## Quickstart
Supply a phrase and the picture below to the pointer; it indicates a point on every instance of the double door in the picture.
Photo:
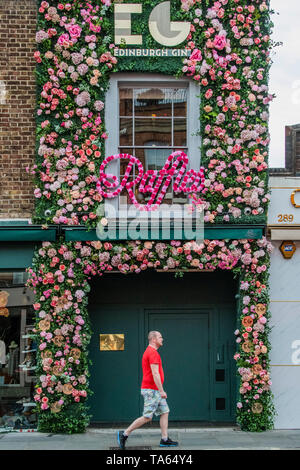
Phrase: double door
(197, 353)
(116, 375)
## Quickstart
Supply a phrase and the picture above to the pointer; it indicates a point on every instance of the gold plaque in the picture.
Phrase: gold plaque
(112, 342)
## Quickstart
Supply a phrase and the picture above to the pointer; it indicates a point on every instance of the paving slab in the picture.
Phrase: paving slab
(189, 439)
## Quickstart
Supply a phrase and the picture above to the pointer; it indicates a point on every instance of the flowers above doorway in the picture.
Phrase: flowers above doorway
(230, 47)
(60, 278)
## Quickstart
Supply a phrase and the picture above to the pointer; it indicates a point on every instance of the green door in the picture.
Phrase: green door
(185, 358)
(196, 316)
(114, 374)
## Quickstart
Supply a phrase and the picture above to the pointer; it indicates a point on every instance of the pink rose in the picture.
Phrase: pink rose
(219, 42)
(208, 93)
(64, 40)
(196, 55)
(74, 30)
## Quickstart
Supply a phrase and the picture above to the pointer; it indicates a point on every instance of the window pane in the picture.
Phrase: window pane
(126, 131)
(126, 95)
(220, 403)
(152, 130)
(180, 132)
(152, 118)
(138, 153)
(124, 163)
(153, 102)
(180, 99)
(124, 196)
(220, 375)
(155, 158)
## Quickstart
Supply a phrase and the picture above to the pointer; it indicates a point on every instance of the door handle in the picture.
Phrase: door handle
(220, 354)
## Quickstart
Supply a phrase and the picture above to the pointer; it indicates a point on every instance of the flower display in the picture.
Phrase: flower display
(63, 331)
(230, 43)
(230, 59)
(74, 61)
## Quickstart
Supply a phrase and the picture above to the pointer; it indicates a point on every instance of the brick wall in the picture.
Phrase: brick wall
(17, 106)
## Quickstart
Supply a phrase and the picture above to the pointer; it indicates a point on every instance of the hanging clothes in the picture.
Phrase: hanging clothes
(13, 361)
(2, 352)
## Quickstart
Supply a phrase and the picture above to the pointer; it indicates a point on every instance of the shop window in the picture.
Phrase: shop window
(220, 404)
(220, 375)
(153, 124)
(150, 117)
(17, 353)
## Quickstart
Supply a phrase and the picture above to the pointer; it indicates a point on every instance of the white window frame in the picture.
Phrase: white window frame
(112, 120)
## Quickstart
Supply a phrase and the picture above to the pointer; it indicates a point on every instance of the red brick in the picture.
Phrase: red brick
(17, 115)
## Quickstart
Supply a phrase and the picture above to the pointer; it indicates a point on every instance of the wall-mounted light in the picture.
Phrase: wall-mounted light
(287, 249)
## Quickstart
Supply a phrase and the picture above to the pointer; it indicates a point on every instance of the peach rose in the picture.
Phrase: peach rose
(3, 298)
(195, 263)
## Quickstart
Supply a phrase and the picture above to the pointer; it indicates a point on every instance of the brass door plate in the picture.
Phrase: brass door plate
(112, 342)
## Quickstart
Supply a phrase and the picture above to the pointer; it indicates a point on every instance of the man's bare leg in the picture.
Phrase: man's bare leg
(164, 421)
(136, 424)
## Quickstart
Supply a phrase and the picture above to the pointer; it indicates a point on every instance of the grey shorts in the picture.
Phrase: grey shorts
(153, 403)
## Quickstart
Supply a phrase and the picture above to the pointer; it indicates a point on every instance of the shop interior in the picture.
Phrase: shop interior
(17, 354)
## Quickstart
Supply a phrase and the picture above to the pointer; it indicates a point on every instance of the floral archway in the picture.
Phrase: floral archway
(60, 278)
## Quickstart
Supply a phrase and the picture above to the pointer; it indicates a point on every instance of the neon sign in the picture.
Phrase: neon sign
(153, 182)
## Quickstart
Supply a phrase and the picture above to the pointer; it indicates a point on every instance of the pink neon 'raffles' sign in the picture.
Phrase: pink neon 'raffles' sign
(153, 182)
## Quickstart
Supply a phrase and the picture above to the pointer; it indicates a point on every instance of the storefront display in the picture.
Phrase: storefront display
(17, 354)
(205, 102)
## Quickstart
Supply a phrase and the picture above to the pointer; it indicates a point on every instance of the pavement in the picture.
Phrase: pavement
(148, 439)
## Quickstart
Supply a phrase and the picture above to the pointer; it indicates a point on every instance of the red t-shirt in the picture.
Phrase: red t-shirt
(151, 356)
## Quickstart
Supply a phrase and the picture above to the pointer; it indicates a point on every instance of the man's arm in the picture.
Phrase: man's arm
(157, 381)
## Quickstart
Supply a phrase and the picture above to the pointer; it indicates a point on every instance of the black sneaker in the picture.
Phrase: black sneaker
(168, 443)
(122, 439)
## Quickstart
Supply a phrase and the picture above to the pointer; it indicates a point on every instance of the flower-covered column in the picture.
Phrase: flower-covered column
(63, 334)
(255, 410)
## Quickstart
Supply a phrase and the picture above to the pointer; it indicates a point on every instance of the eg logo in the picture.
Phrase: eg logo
(162, 29)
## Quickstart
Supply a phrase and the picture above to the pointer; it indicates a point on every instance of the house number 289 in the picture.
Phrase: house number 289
(162, 29)
(285, 218)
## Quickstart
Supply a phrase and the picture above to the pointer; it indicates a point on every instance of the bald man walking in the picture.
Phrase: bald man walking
(152, 392)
